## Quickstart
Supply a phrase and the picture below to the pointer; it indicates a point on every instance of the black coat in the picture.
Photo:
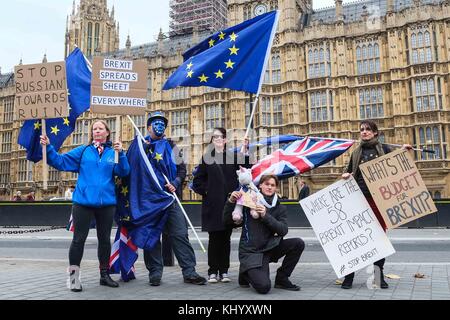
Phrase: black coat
(258, 235)
(304, 192)
(215, 179)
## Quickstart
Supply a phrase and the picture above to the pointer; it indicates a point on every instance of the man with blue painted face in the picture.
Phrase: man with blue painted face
(167, 159)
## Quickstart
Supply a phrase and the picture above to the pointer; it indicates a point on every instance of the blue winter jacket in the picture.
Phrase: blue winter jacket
(95, 186)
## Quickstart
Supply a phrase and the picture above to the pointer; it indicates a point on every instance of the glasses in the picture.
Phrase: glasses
(217, 136)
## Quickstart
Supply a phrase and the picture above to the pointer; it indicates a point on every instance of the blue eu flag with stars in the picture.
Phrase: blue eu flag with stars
(78, 75)
(234, 58)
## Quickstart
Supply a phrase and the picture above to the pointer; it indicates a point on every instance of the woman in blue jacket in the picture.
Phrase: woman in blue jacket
(94, 195)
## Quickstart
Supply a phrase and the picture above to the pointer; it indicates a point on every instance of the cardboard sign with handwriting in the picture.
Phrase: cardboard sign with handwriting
(118, 87)
(397, 188)
(346, 227)
(41, 91)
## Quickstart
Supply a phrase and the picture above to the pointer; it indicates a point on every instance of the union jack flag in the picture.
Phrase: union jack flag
(300, 156)
(123, 255)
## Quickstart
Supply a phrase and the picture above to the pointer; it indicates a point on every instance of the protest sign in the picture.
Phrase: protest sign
(397, 188)
(41, 91)
(118, 87)
(346, 227)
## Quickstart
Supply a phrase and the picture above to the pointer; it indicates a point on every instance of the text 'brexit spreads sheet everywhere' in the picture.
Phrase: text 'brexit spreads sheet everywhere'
(346, 227)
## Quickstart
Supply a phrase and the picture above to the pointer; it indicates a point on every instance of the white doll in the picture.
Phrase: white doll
(246, 185)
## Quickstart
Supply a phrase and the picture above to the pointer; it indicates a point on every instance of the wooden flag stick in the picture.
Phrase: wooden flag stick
(44, 159)
(116, 156)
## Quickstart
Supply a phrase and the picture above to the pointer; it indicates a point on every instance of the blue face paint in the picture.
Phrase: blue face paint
(158, 127)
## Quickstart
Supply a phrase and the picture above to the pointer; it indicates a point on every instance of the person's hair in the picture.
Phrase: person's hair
(91, 135)
(266, 177)
(222, 130)
(371, 125)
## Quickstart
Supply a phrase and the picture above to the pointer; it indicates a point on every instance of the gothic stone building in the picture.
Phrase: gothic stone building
(386, 60)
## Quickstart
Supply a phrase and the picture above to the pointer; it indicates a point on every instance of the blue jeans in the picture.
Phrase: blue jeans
(176, 227)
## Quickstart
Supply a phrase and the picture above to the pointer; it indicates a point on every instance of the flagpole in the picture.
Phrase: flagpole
(173, 193)
(255, 102)
(44, 158)
(399, 146)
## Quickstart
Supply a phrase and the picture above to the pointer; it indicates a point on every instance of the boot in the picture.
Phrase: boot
(383, 283)
(380, 265)
(348, 281)
(73, 282)
(105, 279)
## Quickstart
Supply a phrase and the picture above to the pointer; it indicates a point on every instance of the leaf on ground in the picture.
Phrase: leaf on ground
(392, 276)
(419, 275)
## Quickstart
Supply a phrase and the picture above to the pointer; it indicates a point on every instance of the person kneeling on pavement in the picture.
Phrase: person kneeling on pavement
(262, 240)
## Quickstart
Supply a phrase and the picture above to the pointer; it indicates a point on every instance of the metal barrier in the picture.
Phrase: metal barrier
(26, 214)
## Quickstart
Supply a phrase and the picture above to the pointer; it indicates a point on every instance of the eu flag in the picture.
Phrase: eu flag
(234, 58)
(141, 199)
(79, 90)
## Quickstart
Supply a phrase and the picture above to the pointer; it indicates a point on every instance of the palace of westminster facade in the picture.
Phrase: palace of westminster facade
(387, 60)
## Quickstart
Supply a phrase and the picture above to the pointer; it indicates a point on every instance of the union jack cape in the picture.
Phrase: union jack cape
(300, 156)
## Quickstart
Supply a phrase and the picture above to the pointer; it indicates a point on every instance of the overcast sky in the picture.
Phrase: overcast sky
(30, 28)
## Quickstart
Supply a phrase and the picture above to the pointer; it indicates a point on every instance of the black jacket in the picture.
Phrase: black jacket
(304, 192)
(214, 182)
(258, 235)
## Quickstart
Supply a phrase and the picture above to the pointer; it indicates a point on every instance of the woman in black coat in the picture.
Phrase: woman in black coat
(216, 178)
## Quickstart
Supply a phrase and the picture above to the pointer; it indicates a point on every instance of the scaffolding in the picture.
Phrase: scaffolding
(199, 14)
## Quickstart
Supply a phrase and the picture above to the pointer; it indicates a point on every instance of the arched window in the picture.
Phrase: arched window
(89, 43)
(368, 58)
(97, 36)
(377, 50)
(420, 39)
(421, 47)
(421, 136)
(427, 39)
(437, 195)
(413, 41)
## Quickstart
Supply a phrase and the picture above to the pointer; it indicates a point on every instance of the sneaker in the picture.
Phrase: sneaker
(286, 285)
(224, 278)
(212, 278)
(196, 279)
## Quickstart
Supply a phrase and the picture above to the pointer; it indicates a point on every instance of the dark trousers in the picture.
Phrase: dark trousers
(82, 217)
(219, 251)
(379, 263)
(259, 278)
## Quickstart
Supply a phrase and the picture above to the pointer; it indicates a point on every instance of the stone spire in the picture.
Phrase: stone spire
(339, 10)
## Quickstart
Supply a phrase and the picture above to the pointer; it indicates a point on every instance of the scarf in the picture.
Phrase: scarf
(356, 156)
(100, 146)
(265, 200)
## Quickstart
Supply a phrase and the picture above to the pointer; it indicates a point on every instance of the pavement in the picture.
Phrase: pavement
(33, 267)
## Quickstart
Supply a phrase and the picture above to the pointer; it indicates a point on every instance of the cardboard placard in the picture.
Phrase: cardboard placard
(397, 188)
(41, 91)
(248, 199)
(346, 227)
(118, 87)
